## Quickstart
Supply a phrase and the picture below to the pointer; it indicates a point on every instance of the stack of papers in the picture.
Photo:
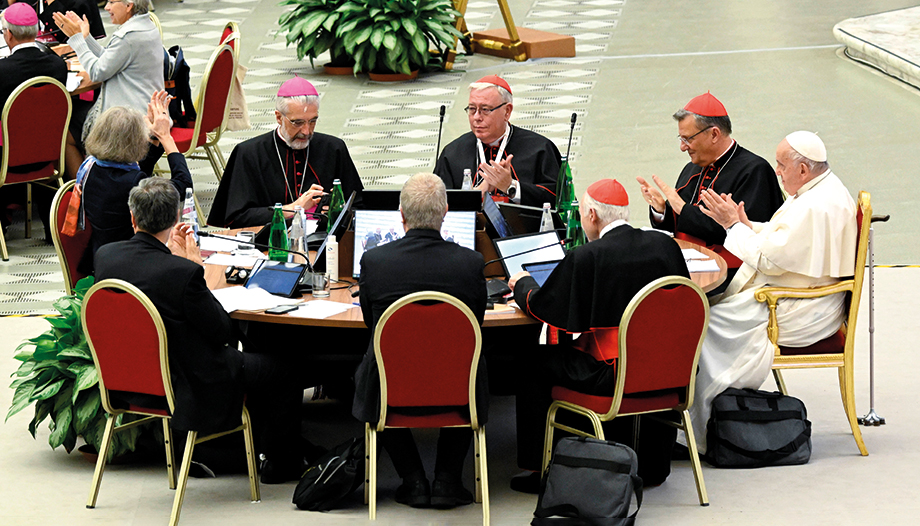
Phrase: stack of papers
(241, 298)
(319, 309)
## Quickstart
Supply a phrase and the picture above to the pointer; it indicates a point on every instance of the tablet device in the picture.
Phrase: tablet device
(540, 270)
(276, 277)
(528, 248)
(338, 229)
(495, 220)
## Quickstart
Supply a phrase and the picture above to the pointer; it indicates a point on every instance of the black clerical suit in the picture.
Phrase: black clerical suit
(209, 376)
(745, 175)
(264, 170)
(589, 290)
(535, 164)
(81, 8)
(32, 60)
(388, 273)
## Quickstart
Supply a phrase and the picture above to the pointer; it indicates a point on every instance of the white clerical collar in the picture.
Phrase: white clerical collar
(610, 226)
(278, 132)
(496, 142)
(501, 148)
(730, 146)
(811, 184)
(25, 45)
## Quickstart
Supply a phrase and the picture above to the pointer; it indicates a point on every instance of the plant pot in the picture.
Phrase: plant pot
(332, 69)
(89, 452)
(392, 77)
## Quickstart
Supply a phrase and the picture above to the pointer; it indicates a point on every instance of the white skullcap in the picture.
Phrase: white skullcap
(808, 145)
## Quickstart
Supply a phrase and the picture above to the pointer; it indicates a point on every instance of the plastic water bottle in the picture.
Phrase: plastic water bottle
(546, 221)
(189, 214)
(336, 203)
(467, 179)
(278, 237)
(297, 229)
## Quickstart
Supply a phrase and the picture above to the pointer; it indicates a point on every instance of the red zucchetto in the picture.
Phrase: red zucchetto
(608, 192)
(495, 80)
(706, 105)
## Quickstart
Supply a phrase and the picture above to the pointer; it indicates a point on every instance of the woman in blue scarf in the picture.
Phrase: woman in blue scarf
(119, 140)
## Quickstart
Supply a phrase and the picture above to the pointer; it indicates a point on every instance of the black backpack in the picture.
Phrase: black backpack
(177, 73)
(333, 477)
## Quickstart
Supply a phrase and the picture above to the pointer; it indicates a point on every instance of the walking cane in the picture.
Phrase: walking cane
(872, 418)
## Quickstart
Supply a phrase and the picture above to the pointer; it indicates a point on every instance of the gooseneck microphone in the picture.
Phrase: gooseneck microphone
(317, 215)
(259, 245)
(437, 149)
(568, 150)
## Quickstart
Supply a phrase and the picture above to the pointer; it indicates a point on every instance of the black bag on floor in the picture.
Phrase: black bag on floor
(331, 478)
(752, 429)
(589, 482)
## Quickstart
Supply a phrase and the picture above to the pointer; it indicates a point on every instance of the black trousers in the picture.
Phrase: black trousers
(453, 445)
(273, 397)
(561, 365)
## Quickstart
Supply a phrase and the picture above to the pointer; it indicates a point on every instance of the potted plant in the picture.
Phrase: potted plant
(312, 26)
(393, 36)
(58, 376)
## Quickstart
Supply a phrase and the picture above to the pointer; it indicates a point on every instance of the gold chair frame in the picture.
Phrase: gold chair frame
(210, 146)
(843, 362)
(56, 235)
(192, 439)
(614, 411)
(479, 432)
(4, 160)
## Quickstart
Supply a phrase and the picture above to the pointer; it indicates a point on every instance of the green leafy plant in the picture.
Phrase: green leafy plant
(395, 35)
(58, 375)
(312, 25)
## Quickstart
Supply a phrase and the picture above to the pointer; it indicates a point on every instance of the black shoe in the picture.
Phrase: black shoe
(528, 482)
(447, 494)
(414, 492)
(281, 472)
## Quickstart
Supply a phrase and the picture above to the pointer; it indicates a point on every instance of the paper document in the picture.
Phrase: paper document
(702, 265)
(692, 253)
(228, 260)
(321, 309)
(73, 81)
(241, 298)
(217, 244)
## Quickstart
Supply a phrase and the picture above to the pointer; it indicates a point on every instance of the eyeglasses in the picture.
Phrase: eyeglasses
(485, 112)
(686, 140)
(299, 123)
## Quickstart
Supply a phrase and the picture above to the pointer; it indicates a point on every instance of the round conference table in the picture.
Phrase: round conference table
(353, 318)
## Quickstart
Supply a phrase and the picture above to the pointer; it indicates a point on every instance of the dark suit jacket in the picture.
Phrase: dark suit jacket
(206, 373)
(28, 63)
(81, 8)
(419, 261)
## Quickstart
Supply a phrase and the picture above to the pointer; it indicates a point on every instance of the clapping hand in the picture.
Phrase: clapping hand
(182, 243)
(158, 121)
(71, 24)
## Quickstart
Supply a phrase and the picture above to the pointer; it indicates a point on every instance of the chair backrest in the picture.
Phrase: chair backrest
(215, 93)
(863, 223)
(231, 37)
(427, 346)
(35, 120)
(156, 22)
(660, 352)
(128, 341)
(70, 250)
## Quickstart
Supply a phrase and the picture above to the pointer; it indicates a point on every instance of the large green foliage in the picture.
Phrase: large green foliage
(381, 35)
(58, 376)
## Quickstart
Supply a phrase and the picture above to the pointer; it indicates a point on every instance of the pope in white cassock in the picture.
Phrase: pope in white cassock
(809, 242)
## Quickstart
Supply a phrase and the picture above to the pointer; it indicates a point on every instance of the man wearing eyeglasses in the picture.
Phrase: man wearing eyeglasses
(509, 163)
(719, 163)
(292, 164)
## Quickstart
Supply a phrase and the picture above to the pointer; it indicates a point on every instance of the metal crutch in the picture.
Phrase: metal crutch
(872, 418)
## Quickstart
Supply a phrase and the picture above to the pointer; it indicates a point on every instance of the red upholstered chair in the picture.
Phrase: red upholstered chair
(656, 366)
(69, 249)
(231, 36)
(211, 105)
(427, 347)
(128, 342)
(35, 120)
(837, 350)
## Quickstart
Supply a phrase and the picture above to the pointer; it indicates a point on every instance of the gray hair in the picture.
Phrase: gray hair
(118, 135)
(815, 167)
(283, 103)
(722, 123)
(21, 33)
(141, 7)
(423, 201)
(155, 204)
(605, 213)
(505, 94)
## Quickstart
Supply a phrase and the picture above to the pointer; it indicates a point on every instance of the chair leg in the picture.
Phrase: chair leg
(254, 492)
(100, 462)
(482, 481)
(548, 438)
(28, 210)
(183, 478)
(6, 255)
(212, 158)
(849, 406)
(367, 463)
(694, 458)
(220, 157)
(170, 453)
(780, 384)
(477, 494)
(372, 479)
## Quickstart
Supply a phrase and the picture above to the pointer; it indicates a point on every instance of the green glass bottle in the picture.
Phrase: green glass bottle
(336, 203)
(573, 229)
(565, 188)
(278, 238)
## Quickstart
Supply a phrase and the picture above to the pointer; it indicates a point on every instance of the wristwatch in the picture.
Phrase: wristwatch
(512, 190)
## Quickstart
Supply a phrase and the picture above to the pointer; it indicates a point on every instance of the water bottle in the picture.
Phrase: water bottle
(546, 221)
(189, 214)
(467, 179)
(278, 237)
(336, 203)
(297, 229)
